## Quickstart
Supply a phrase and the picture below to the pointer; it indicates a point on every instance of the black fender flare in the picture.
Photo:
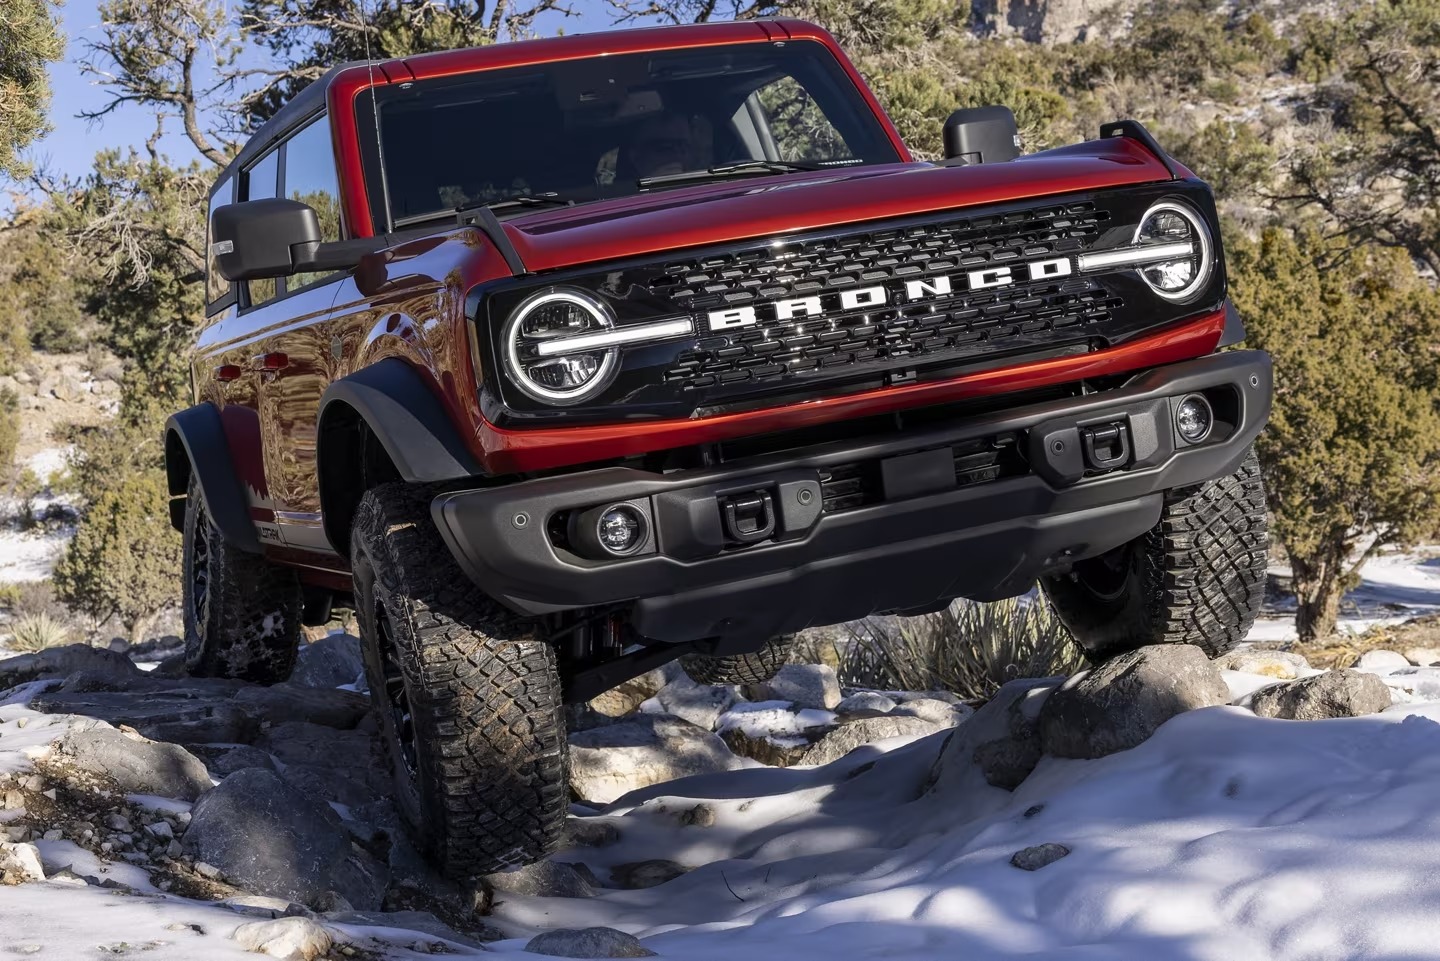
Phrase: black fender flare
(195, 444)
(392, 399)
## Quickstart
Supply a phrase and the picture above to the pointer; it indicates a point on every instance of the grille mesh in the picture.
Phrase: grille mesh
(967, 323)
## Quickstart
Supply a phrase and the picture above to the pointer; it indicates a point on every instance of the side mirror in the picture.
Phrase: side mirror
(981, 135)
(264, 238)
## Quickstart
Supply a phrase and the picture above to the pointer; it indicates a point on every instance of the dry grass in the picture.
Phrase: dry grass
(969, 649)
(1343, 650)
(36, 632)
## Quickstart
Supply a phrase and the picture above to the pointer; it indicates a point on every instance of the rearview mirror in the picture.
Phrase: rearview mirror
(981, 135)
(263, 238)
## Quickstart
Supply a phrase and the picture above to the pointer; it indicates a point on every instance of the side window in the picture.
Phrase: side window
(259, 184)
(216, 287)
(800, 129)
(310, 178)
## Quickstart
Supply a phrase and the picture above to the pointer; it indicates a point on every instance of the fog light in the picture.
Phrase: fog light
(621, 529)
(1194, 419)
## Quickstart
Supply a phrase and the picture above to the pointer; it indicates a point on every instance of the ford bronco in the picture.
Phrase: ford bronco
(559, 359)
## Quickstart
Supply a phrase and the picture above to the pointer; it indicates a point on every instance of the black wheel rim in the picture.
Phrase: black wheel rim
(199, 585)
(402, 718)
(1106, 576)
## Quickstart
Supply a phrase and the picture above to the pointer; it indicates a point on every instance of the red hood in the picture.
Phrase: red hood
(738, 210)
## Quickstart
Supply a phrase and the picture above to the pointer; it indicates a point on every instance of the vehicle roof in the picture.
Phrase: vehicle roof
(312, 98)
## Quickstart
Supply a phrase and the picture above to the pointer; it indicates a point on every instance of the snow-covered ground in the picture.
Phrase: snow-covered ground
(1225, 836)
(1395, 587)
(30, 555)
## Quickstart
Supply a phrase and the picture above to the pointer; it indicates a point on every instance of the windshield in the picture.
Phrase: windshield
(592, 129)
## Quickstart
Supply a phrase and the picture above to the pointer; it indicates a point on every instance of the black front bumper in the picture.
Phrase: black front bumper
(928, 534)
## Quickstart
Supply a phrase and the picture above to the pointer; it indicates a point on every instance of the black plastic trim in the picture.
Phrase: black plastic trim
(1135, 130)
(406, 416)
(489, 224)
(195, 443)
(1234, 332)
(985, 541)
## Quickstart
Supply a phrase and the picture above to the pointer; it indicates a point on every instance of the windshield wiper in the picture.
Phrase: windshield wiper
(519, 200)
(746, 168)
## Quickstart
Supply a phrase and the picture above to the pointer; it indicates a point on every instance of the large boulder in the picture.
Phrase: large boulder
(290, 939)
(63, 661)
(847, 737)
(1332, 694)
(1119, 704)
(184, 713)
(270, 838)
(607, 762)
(588, 943)
(287, 702)
(626, 697)
(1381, 660)
(330, 662)
(544, 879)
(700, 704)
(135, 765)
(812, 686)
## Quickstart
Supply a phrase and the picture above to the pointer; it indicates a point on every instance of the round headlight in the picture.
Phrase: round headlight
(1175, 225)
(534, 341)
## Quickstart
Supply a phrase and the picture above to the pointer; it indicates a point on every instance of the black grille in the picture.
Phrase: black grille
(848, 486)
(967, 322)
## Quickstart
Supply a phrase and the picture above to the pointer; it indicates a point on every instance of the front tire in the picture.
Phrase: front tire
(754, 667)
(468, 697)
(241, 613)
(1197, 577)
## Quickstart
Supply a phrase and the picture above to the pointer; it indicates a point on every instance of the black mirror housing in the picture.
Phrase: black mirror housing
(981, 135)
(264, 238)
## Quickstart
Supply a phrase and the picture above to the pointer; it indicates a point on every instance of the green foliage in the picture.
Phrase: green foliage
(41, 291)
(9, 429)
(969, 649)
(125, 559)
(9, 596)
(36, 632)
(29, 40)
(1232, 157)
(1351, 457)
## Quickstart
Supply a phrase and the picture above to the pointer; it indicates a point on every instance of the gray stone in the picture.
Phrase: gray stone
(262, 906)
(774, 751)
(865, 704)
(183, 716)
(588, 943)
(1035, 858)
(803, 685)
(638, 751)
(929, 709)
(645, 874)
(623, 699)
(21, 861)
(1332, 694)
(222, 760)
(1423, 656)
(543, 879)
(1279, 664)
(590, 832)
(287, 702)
(268, 837)
(700, 816)
(422, 921)
(291, 939)
(136, 766)
(1119, 704)
(328, 663)
(62, 662)
(847, 737)
(1381, 660)
(700, 704)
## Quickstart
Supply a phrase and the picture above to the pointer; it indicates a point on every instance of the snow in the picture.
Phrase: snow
(31, 555)
(1395, 587)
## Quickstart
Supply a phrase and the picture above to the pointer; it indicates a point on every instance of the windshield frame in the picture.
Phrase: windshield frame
(885, 145)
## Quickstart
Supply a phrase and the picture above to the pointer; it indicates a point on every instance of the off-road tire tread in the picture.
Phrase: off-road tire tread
(1198, 576)
(754, 667)
(253, 624)
(484, 692)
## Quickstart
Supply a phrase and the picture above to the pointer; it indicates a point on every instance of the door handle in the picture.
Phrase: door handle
(269, 362)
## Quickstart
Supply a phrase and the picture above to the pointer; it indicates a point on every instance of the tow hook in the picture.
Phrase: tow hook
(1105, 446)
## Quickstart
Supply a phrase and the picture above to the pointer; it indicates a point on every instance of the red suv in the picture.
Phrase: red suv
(560, 359)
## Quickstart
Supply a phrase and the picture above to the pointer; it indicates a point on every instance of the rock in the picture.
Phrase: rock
(1035, 858)
(1381, 660)
(223, 760)
(288, 702)
(804, 685)
(700, 704)
(260, 906)
(271, 838)
(1006, 762)
(929, 709)
(21, 861)
(292, 939)
(774, 751)
(136, 766)
(588, 943)
(1423, 656)
(207, 870)
(1119, 704)
(183, 715)
(155, 649)
(422, 921)
(1332, 694)
(607, 762)
(645, 874)
(700, 816)
(62, 662)
(623, 699)
(328, 663)
(119, 822)
(847, 737)
(1281, 664)
(543, 879)
(864, 704)
(590, 832)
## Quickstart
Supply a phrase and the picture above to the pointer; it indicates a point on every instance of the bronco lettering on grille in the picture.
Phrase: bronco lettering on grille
(915, 290)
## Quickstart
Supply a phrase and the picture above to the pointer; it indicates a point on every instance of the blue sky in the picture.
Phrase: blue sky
(72, 145)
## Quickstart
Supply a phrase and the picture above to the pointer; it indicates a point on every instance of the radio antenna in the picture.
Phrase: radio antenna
(375, 113)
